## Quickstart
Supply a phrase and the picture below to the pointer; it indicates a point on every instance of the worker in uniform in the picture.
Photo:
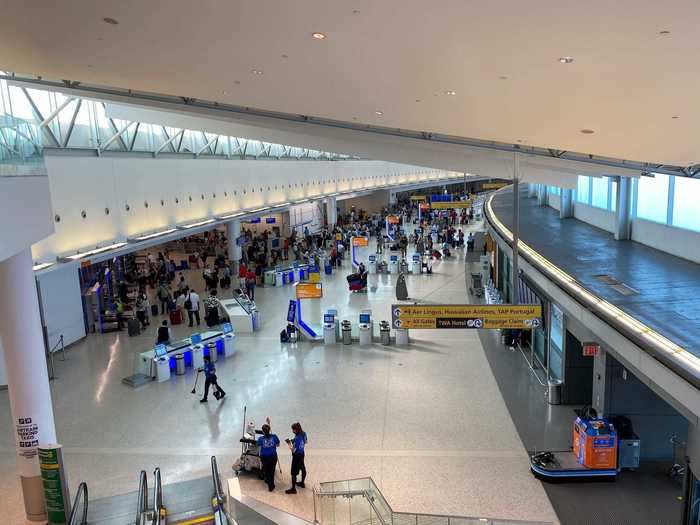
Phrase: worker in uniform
(297, 445)
(210, 379)
(268, 444)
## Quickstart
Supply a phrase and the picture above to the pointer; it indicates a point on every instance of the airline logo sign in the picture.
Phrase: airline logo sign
(490, 316)
(450, 205)
(309, 290)
(360, 241)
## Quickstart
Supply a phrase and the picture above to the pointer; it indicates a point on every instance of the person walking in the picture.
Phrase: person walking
(250, 284)
(268, 444)
(163, 336)
(297, 446)
(141, 307)
(192, 307)
(163, 297)
(210, 379)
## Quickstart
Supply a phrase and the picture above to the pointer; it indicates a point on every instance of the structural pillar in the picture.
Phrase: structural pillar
(27, 375)
(331, 211)
(516, 228)
(233, 232)
(623, 212)
(531, 190)
(600, 382)
(541, 195)
(566, 207)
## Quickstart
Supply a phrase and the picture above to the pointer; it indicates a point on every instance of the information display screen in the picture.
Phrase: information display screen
(329, 318)
(227, 328)
(196, 339)
(160, 351)
(364, 318)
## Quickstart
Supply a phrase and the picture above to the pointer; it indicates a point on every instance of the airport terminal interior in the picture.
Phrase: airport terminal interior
(361, 275)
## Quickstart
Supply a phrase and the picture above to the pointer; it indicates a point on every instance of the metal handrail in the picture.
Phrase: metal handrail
(219, 510)
(142, 496)
(157, 497)
(81, 494)
(63, 348)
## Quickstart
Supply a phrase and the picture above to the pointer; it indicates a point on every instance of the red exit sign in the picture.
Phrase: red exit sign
(591, 349)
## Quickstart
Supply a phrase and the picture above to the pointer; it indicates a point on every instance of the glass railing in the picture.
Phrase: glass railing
(360, 502)
(20, 148)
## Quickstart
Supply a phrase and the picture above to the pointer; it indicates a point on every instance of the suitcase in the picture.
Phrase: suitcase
(176, 317)
(133, 327)
(154, 310)
(328, 269)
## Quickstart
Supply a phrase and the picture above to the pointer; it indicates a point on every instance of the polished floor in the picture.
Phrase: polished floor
(667, 287)
(427, 422)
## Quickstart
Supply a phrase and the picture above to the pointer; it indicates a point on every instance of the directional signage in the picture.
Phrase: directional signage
(490, 316)
(450, 205)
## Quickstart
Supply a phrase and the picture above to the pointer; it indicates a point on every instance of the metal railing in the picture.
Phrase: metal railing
(142, 497)
(220, 517)
(157, 498)
(79, 517)
(360, 502)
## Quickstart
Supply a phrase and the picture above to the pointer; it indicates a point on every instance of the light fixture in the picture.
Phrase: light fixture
(282, 204)
(450, 92)
(301, 200)
(675, 117)
(664, 32)
(195, 224)
(260, 209)
(110, 21)
(355, 11)
(379, 113)
(566, 60)
(224, 92)
(318, 36)
(77, 256)
(256, 71)
(231, 216)
(152, 235)
(587, 131)
(285, 56)
(42, 266)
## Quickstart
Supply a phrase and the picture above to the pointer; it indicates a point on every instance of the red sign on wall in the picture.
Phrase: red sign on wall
(591, 349)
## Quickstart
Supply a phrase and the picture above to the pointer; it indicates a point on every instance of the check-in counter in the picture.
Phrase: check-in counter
(241, 313)
(144, 361)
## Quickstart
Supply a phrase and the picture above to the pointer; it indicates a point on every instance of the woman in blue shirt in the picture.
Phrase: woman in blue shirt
(297, 446)
(268, 444)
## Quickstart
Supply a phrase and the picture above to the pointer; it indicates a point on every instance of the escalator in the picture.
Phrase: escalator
(194, 502)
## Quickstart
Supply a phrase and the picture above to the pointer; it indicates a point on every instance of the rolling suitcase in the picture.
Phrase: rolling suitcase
(176, 317)
(133, 327)
(328, 269)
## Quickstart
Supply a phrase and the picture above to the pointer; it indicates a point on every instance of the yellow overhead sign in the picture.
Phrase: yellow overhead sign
(493, 185)
(490, 316)
(448, 205)
(418, 197)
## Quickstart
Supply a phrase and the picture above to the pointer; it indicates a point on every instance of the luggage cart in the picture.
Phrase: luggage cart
(477, 287)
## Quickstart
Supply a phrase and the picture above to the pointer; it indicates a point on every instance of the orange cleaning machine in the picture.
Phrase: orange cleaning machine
(594, 443)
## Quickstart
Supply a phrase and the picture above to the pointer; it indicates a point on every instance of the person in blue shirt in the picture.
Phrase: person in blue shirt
(297, 446)
(268, 443)
(210, 379)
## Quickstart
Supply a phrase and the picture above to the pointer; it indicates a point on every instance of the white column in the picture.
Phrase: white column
(233, 232)
(566, 206)
(331, 211)
(27, 376)
(531, 190)
(541, 195)
(623, 213)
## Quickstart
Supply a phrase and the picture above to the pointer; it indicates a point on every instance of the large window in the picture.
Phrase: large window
(686, 211)
(554, 190)
(652, 198)
(613, 195)
(583, 190)
(599, 192)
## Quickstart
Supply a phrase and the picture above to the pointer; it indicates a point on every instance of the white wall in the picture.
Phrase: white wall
(554, 201)
(62, 304)
(372, 203)
(308, 214)
(216, 186)
(598, 217)
(676, 241)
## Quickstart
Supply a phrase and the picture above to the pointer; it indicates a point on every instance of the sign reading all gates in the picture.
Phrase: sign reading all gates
(450, 205)
(309, 290)
(490, 316)
(360, 241)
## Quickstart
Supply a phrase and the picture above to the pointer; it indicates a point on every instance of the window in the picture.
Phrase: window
(583, 190)
(599, 192)
(554, 190)
(652, 198)
(613, 195)
(686, 212)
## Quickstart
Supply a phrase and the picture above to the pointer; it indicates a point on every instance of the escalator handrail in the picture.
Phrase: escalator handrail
(157, 497)
(142, 496)
(81, 494)
(216, 478)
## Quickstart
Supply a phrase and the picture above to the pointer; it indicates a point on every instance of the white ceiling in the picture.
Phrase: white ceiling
(626, 82)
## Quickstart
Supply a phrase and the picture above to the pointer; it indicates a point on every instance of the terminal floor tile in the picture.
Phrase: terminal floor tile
(427, 422)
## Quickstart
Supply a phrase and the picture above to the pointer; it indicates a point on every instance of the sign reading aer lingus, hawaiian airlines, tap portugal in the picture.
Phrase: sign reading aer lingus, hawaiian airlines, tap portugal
(489, 316)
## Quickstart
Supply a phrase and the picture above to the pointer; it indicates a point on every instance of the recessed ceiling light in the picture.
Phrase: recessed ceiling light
(285, 56)
(450, 92)
(675, 116)
(379, 113)
(355, 11)
(417, 100)
(664, 32)
(318, 36)
(587, 131)
(503, 77)
(256, 72)
(109, 20)
(224, 92)
(566, 60)
(236, 82)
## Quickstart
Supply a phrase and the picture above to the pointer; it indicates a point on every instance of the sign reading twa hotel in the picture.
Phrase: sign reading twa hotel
(490, 316)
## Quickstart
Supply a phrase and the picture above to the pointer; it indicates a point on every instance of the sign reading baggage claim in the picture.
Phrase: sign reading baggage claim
(489, 316)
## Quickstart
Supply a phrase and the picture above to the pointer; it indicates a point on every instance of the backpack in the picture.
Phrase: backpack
(188, 303)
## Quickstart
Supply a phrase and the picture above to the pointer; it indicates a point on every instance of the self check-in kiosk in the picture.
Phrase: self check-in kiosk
(329, 328)
(372, 263)
(365, 327)
(393, 264)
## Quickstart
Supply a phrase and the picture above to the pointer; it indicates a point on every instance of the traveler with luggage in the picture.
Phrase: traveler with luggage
(163, 297)
(297, 445)
(163, 336)
(142, 309)
(192, 307)
(211, 309)
(210, 379)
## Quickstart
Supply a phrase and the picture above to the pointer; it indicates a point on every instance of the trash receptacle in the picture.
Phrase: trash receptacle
(180, 365)
(385, 333)
(346, 330)
(213, 354)
(554, 392)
